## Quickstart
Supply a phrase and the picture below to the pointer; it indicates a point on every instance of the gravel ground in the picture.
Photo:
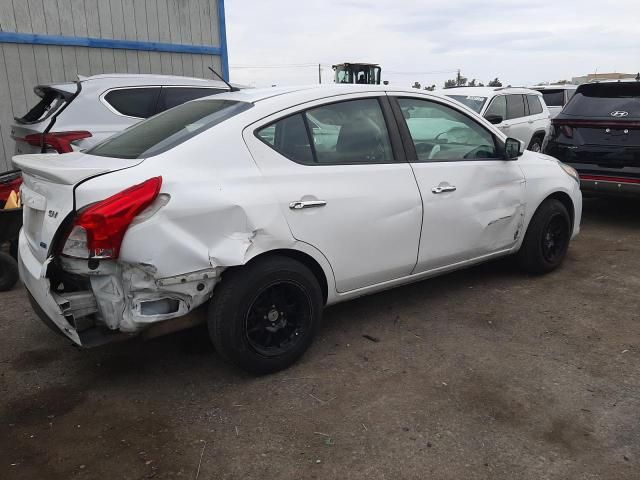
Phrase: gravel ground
(481, 374)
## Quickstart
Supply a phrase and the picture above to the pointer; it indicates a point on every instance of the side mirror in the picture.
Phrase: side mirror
(495, 119)
(512, 148)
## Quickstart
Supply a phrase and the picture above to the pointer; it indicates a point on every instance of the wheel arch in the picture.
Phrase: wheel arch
(563, 198)
(304, 258)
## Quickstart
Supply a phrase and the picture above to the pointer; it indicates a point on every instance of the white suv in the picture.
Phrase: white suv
(268, 204)
(519, 112)
(76, 116)
(556, 96)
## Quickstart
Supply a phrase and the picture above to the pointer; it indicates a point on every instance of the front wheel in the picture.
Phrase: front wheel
(263, 316)
(547, 239)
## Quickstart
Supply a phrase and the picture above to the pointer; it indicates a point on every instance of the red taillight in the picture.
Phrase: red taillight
(99, 229)
(8, 187)
(59, 141)
(562, 127)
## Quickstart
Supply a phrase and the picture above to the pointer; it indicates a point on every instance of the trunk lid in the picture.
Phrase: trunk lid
(53, 99)
(48, 188)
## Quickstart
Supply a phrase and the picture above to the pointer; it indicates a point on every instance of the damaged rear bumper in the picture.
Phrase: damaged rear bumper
(111, 301)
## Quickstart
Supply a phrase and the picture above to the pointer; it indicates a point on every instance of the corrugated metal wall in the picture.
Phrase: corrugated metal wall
(23, 66)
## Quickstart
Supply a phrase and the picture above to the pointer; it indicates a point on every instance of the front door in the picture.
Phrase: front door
(344, 186)
(473, 199)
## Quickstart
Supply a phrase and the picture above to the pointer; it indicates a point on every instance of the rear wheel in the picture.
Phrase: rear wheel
(8, 272)
(547, 239)
(263, 316)
(536, 143)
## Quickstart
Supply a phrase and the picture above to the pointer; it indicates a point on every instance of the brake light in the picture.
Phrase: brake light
(562, 127)
(7, 188)
(59, 141)
(99, 229)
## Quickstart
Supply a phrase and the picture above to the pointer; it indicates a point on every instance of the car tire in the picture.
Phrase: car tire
(536, 143)
(547, 239)
(8, 272)
(263, 316)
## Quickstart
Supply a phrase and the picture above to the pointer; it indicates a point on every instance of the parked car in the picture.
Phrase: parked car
(77, 115)
(556, 96)
(519, 112)
(227, 201)
(598, 133)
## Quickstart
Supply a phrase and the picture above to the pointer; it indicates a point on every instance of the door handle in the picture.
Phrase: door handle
(439, 189)
(299, 205)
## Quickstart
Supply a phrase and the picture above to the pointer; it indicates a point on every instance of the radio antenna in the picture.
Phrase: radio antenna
(231, 87)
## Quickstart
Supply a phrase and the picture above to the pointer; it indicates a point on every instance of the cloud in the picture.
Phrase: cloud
(521, 42)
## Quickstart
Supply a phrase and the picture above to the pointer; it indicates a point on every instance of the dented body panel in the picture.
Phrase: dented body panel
(225, 200)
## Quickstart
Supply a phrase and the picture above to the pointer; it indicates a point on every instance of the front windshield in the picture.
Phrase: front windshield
(473, 102)
(168, 129)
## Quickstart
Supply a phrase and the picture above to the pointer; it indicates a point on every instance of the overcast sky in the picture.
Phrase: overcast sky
(520, 41)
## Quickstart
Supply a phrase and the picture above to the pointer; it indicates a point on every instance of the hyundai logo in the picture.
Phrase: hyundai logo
(619, 113)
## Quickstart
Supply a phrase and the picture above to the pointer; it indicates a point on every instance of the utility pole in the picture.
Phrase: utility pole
(320, 73)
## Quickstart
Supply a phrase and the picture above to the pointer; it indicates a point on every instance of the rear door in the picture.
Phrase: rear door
(517, 124)
(473, 199)
(52, 99)
(345, 188)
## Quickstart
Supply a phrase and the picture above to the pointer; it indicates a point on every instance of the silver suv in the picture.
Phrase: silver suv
(519, 112)
(75, 116)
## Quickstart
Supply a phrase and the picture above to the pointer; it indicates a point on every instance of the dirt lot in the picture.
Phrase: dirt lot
(481, 374)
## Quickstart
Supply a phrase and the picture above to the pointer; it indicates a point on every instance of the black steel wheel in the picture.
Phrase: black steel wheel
(536, 144)
(555, 238)
(263, 316)
(547, 239)
(278, 318)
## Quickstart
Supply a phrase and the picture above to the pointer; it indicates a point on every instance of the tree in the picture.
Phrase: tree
(417, 85)
(481, 84)
(495, 83)
(430, 88)
(472, 83)
(449, 84)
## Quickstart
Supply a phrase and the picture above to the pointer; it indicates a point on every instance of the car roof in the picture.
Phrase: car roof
(559, 86)
(311, 92)
(487, 91)
(114, 80)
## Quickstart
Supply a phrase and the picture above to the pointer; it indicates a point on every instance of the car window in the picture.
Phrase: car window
(553, 98)
(441, 133)
(535, 107)
(289, 137)
(134, 102)
(515, 106)
(353, 131)
(173, 96)
(474, 102)
(498, 107)
(615, 100)
(168, 129)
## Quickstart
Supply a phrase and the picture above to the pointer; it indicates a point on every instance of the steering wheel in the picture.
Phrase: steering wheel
(481, 151)
(451, 131)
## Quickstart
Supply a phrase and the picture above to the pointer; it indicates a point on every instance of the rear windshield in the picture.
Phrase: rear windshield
(50, 101)
(611, 100)
(471, 101)
(553, 98)
(168, 129)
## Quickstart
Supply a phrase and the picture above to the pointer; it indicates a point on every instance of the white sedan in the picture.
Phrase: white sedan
(266, 205)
